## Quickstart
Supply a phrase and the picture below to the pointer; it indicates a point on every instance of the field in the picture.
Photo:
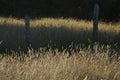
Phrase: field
(61, 50)
(58, 32)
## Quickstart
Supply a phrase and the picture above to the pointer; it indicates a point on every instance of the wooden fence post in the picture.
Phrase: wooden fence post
(95, 23)
(27, 32)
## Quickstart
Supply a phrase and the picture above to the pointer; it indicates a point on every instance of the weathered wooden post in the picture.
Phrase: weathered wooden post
(95, 27)
(1, 42)
(95, 23)
(27, 32)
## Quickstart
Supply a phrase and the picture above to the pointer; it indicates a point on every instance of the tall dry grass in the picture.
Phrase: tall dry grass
(44, 65)
(48, 64)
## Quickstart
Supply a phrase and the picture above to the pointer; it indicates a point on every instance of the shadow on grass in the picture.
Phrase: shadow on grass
(13, 38)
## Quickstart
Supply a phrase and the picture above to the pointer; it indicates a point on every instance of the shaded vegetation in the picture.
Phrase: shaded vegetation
(83, 9)
(56, 33)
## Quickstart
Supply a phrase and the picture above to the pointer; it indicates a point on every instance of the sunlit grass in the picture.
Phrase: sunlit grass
(62, 61)
(11, 21)
(58, 22)
(44, 65)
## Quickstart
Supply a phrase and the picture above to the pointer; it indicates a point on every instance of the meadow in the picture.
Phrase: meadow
(61, 50)
(58, 32)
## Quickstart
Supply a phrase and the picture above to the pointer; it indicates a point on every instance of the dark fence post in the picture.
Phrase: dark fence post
(1, 42)
(27, 32)
(95, 23)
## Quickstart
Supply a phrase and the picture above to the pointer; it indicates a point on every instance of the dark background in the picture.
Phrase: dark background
(81, 9)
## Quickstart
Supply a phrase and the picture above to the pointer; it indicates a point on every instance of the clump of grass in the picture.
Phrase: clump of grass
(44, 65)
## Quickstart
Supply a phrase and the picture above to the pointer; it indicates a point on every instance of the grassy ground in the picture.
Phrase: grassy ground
(57, 32)
(66, 36)
(44, 65)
